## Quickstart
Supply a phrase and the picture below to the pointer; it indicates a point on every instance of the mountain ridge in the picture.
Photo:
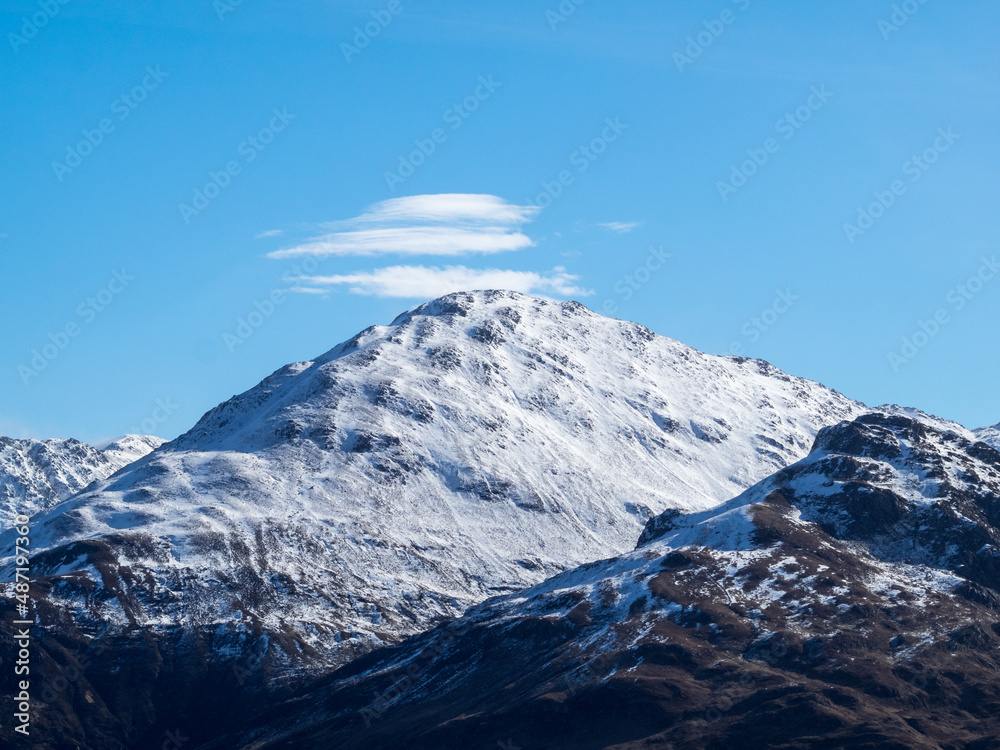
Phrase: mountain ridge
(37, 474)
(789, 617)
(476, 447)
(480, 444)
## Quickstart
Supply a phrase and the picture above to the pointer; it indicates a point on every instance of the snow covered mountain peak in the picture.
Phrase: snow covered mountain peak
(487, 444)
(990, 435)
(37, 474)
(502, 349)
(474, 446)
(454, 336)
(487, 302)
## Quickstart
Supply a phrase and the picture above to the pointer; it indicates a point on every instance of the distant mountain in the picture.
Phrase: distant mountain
(990, 435)
(37, 474)
(850, 600)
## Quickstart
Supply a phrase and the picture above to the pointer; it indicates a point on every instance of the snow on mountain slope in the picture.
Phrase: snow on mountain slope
(910, 493)
(37, 474)
(476, 445)
(852, 596)
(989, 435)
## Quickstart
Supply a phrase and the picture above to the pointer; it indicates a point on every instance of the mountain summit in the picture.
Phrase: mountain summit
(477, 444)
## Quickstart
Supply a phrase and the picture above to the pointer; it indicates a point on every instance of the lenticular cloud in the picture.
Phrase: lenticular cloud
(451, 224)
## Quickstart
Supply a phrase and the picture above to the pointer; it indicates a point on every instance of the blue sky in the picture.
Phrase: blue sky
(810, 183)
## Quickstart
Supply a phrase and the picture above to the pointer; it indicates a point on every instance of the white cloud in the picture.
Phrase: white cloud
(451, 208)
(621, 227)
(269, 233)
(421, 282)
(449, 224)
(413, 240)
(307, 290)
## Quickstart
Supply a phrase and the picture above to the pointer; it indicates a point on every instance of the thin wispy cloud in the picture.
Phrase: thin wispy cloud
(307, 290)
(452, 224)
(421, 282)
(451, 208)
(621, 227)
(269, 233)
